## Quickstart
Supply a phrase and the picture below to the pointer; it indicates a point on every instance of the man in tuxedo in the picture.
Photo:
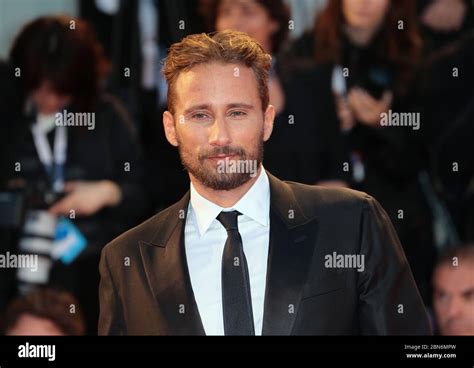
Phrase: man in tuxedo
(243, 253)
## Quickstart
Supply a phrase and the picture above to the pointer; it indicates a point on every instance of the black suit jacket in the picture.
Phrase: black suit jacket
(145, 286)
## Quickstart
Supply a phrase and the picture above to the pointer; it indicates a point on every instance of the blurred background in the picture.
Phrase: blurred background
(341, 68)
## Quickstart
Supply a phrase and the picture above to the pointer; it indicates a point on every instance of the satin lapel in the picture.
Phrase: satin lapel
(167, 274)
(292, 242)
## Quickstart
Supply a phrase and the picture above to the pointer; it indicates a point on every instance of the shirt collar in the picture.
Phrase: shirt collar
(255, 204)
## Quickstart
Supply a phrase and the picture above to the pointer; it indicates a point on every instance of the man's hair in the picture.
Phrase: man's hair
(227, 47)
(53, 305)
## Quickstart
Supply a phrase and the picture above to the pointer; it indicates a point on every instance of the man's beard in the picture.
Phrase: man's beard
(210, 176)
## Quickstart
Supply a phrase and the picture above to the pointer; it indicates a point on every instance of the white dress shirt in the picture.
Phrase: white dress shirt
(205, 238)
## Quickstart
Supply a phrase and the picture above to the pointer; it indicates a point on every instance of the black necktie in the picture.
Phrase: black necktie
(236, 298)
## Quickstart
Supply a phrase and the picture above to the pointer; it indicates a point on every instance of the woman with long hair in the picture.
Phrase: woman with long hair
(368, 53)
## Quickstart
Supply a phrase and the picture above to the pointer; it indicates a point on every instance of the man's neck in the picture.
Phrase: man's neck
(224, 198)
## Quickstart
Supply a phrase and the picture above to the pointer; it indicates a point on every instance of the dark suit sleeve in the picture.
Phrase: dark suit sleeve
(111, 316)
(389, 301)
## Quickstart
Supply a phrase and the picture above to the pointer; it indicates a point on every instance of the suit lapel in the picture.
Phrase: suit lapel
(167, 274)
(292, 241)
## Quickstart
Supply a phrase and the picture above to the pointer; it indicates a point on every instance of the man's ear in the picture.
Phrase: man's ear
(269, 117)
(170, 128)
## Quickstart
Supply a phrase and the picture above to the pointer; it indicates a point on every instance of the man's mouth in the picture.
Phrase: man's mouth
(221, 156)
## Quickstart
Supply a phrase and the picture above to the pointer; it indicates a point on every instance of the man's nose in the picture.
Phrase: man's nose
(454, 307)
(219, 134)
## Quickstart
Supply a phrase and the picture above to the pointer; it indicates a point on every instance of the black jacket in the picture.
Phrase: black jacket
(144, 296)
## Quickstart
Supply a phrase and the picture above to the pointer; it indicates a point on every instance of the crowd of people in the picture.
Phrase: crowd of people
(331, 88)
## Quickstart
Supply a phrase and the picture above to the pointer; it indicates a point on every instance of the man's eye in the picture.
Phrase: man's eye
(237, 114)
(442, 296)
(199, 116)
(469, 296)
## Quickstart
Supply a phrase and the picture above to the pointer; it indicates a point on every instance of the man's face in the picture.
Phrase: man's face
(453, 298)
(218, 120)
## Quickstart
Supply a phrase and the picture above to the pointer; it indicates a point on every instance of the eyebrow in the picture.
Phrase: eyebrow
(208, 107)
(240, 105)
(464, 293)
(196, 107)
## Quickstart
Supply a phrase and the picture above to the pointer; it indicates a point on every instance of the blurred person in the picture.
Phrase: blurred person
(453, 295)
(244, 253)
(74, 156)
(136, 35)
(444, 21)
(303, 13)
(44, 312)
(303, 147)
(368, 53)
(448, 92)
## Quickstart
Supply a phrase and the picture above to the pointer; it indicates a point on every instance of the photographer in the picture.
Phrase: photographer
(74, 158)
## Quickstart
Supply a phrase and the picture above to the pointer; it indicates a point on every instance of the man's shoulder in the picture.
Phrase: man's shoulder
(146, 231)
(314, 198)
